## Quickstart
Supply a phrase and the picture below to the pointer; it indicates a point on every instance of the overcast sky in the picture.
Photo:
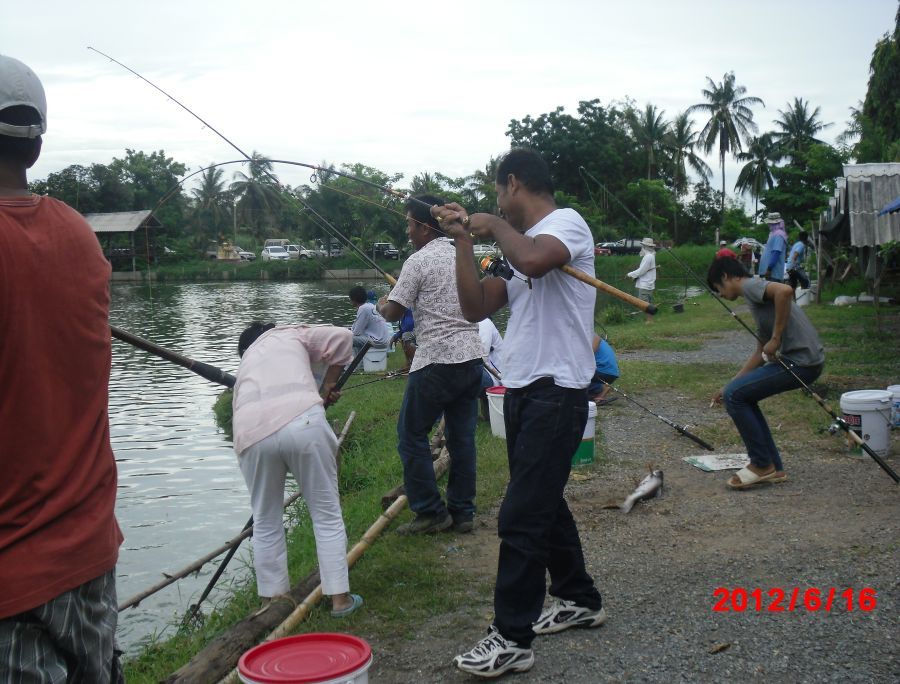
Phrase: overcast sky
(413, 86)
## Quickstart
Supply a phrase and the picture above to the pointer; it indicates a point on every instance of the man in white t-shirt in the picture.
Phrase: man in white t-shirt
(645, 275)
(548, 362)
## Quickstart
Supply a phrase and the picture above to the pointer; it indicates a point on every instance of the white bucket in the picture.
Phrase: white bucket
(308, 658)
(584, 455)
(495, 410)
(868, 414)
(375, 360)
(895, 405)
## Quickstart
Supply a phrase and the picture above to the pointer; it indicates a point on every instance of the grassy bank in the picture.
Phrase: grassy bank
(407, 581)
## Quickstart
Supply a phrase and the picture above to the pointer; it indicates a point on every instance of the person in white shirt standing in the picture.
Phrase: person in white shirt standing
(645, 274)
(547, 366)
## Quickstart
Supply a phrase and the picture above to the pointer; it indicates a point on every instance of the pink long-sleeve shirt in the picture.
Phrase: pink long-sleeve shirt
(279, 378)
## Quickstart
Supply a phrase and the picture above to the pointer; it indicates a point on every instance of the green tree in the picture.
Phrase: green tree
(798, 128)
(730, 120)
(213, 205)
(682, 142)
(147, 178)
(802, 188)
(756, 175)
(703, 214)
(880, 118)
(259, 199)
(650, 131)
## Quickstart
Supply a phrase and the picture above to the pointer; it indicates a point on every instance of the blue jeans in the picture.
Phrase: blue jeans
(742, 397)
(544, 426)
(451, 389)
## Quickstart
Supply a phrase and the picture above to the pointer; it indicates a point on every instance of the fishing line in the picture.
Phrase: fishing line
(682, 429)
(839, 421)
(390, 376)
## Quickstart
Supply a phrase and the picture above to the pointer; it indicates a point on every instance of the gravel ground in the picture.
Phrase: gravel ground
(835, 523)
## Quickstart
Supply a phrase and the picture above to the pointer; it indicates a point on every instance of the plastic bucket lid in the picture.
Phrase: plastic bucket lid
(498, 389)
(872, 400)
(305, 659)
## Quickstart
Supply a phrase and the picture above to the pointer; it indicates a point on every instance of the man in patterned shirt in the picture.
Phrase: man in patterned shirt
(445, 377)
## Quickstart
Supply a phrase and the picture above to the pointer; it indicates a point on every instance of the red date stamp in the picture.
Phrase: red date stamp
(778, 600)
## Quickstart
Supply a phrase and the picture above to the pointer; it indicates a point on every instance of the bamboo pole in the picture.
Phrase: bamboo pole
(646, 307)
(200, 562)
(383, 520)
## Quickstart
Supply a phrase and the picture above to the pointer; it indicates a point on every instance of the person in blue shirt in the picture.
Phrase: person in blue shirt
(796, 272)
(406, 335)
(771, 267)
(605, 373)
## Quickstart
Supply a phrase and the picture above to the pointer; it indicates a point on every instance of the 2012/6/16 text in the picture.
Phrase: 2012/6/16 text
(778, 600)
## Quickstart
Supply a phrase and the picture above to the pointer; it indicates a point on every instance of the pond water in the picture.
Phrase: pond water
(181, 494)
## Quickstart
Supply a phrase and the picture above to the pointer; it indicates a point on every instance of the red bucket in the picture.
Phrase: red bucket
(308, 659)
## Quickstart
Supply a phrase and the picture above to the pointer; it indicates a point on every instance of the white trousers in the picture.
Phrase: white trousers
(306, 447)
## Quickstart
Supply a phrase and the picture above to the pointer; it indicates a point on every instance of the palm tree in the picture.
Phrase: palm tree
(649, 130)
(682, 141)
(730, 119)
(799, 127)
(211, 199)
(259, 196)
(756, 175)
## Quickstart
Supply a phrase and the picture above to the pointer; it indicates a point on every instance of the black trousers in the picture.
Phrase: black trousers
(544, 426)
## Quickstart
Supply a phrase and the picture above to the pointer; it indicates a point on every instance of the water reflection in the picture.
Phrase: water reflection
(180, 491)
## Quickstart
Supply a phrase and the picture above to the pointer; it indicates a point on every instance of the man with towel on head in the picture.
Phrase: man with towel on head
(645, 275)
(771, 265)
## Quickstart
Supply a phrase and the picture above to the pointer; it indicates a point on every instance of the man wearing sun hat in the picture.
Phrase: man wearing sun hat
(645, 274)
(59, 540)
(771, 265)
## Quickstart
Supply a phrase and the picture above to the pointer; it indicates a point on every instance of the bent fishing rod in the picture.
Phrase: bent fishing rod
(335, 232)
(682, 429)
(838, 420)
(644, 306)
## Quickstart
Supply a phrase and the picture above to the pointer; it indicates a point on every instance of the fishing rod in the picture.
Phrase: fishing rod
(388, 376)
(271, 176)
(204, 370)
(839, 422)
(682, 429)
(644, 306)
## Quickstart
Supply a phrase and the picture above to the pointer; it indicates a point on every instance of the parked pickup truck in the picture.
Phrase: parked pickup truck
(624, 246)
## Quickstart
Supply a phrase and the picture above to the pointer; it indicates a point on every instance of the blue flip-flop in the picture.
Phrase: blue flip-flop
(349, 610)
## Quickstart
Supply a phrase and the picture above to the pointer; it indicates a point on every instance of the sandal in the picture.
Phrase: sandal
(349, 610)
(747, 478)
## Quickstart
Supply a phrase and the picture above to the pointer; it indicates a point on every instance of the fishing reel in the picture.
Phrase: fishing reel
(499, 267)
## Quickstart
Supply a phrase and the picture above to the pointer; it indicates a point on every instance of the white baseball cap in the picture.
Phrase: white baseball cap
(19, 86)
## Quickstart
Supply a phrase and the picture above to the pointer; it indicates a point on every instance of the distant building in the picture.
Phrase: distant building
(107, 226)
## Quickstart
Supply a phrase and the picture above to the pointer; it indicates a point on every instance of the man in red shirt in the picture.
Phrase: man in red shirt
(59, 540)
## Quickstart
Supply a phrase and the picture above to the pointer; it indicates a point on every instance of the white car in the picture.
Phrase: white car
(244, 254)
(274, 253)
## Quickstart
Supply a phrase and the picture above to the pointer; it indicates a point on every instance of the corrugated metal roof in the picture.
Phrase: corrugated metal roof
(121, 221)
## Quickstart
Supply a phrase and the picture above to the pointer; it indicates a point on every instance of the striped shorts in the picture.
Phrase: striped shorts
(71, 638)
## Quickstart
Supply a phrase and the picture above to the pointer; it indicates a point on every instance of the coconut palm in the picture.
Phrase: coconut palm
(756, 175)
(682, 142)
(258, 193)
(798, 127)
(730, 120)
(649, 130)
(211, 202)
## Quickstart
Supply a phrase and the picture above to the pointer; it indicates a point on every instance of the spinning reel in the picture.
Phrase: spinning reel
(499, 267)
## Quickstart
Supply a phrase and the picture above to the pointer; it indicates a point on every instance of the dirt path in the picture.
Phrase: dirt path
(835, 523)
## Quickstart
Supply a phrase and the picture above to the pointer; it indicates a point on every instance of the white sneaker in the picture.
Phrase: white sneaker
(494, 656)
(564, 614)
